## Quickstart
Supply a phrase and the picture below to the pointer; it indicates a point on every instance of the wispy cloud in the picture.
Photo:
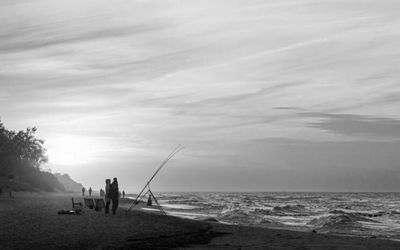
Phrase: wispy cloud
(137, 77)
(356, 125)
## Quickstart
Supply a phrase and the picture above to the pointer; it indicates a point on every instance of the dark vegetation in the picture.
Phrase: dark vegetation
(21, 158)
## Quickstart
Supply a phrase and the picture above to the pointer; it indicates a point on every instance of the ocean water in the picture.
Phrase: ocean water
(361, 214)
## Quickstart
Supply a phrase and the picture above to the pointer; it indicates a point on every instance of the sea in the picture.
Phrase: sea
(375, 215)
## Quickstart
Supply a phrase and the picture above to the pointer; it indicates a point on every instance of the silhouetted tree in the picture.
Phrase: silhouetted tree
(21, 156)
(28, 148)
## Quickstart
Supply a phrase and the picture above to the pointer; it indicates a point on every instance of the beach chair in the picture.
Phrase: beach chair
(77, 207)
(99, 204)
(89, 202)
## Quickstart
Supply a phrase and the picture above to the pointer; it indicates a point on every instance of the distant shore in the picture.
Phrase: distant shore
(30, 221)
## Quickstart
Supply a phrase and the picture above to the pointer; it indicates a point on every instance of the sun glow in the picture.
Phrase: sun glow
(71, 150)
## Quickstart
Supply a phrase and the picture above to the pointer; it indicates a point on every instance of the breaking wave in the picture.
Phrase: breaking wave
(340, 222)
(363, 214)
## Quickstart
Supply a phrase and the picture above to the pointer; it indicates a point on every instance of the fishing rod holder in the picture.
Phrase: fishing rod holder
(147, 186)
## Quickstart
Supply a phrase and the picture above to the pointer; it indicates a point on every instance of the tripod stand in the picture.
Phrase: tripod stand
(151, 196)
(142, 194)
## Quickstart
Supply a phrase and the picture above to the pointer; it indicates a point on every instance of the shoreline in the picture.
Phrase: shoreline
(188, 214)
(30, 221)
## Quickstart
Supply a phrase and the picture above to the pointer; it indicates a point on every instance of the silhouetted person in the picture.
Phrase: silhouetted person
(107, 196)
(90, 191)
(83, 191)
(9, 191)
(149, 201)
(114, 195)
(101, 192)
(123, 194)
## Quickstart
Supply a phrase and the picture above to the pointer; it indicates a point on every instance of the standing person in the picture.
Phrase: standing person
(123, 194)
(114, 194)
(83, 191)
(90, 191)
(10, 191)
(107, 196)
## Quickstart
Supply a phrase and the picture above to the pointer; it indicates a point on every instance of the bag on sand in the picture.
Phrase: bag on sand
(66, 212)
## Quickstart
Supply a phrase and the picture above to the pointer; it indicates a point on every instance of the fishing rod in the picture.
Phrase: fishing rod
(140, 196)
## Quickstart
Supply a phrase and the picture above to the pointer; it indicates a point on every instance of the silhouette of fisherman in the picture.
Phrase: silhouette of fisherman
(83, 191)
(123, 194)
(90, 191)
(107, 196)
(114, 195)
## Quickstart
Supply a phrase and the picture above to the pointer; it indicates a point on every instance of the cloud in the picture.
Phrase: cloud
(356, 125)
(220, 77)
(32, 38)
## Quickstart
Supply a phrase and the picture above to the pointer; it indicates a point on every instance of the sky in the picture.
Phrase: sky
(277, 95)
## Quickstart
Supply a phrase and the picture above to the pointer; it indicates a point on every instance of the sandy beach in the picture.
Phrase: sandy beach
(30, 221)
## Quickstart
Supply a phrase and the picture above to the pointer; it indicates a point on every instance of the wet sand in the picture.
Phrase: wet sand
(30, 221)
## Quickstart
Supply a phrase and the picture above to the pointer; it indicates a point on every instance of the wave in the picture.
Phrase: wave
(287, 210)
(334, 222)
(346, 213)
(395, 212)
(290, 208)
(342, 221)
(233, 214)
(270, 223)
(247, 217)
(360, 213)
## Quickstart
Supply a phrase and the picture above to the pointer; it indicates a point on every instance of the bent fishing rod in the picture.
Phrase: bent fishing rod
(139, 197)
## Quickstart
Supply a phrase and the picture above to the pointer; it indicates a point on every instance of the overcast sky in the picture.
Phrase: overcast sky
(277, 95)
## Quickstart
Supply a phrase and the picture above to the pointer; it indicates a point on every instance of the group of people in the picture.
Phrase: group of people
(111, 195)
(84, 190)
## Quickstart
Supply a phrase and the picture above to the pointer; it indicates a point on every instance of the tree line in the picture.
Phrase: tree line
(22, 156)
